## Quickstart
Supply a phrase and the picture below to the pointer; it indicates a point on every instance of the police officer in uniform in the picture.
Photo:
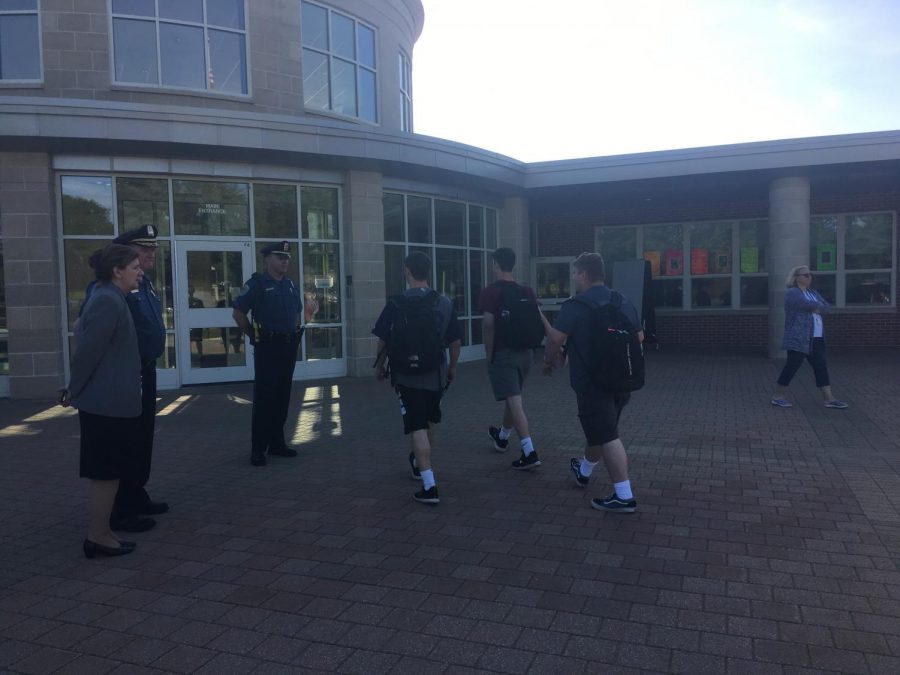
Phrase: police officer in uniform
(132, 503)
(277, 309)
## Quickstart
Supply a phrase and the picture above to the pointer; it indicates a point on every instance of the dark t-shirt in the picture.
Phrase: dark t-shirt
(449, 327)
(573, 320)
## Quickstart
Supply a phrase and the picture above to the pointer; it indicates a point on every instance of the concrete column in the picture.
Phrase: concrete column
(788, 246)
(31, 275)
(514, 231)
(364, 262)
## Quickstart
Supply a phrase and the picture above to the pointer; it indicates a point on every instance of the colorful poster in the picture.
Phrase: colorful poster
(721, 262)
(699, 261)
(826, 255)
(674, 262)
(653, 257)
(749, 259)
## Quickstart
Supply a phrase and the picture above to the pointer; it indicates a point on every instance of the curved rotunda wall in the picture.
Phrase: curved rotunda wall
(78, 57)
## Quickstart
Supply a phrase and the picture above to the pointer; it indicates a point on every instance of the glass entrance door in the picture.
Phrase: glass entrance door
(210, 276)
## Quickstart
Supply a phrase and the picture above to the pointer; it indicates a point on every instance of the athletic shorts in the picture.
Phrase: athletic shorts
(419, 407)
(599, 412)
(508, 370)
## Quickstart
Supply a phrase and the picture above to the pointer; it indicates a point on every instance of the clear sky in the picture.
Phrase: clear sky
(556, 79)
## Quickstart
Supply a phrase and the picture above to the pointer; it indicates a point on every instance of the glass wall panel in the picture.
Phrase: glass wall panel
(366, 46)
(869, 288)
(214, 278)
(316, 91)
(167, 359)
(392, 205)
(181, 10)
(714, 292)
(343, 82)
(868, 243)
(319, 213)
(394, 279)
(135, 51)
(754, 291)
(823, 243)
(182, 56)
(314, 26)
(321, 278)
(754, 241)
(554, 280)
(217, 347)
(20, 56)
(477, 337)
(616, 244)
(134, 7)
(664, 248)
(4, 328)
(449, 223)
(211, 208)
(323, 343)
(368, 97)
(418, 219)
(667, 293)
(450, 266)
(476, 226)
(477, 271)
(87, 205)
(825, 284)
(342, 41)
(161, 277)
(225, 13)
(275, 210)
(227, 62)
(143, 201)
(710, 248)
(78, 273)
(490, 229)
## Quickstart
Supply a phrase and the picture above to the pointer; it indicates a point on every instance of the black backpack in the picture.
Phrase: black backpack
(416, 345)
(616, 358)
(519, 325)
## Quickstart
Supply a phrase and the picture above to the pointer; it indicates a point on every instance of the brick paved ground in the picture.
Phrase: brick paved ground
(767, 540)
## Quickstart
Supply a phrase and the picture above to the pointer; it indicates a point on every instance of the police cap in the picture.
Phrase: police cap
(145, 235)
(278, 248)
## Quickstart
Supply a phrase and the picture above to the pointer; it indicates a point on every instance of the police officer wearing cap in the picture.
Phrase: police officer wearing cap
(276, 306)
(132, 503)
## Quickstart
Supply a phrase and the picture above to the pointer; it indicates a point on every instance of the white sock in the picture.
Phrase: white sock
(623, 489)
(428, 479)
(527, 447)
(504, 433)
(587, 466)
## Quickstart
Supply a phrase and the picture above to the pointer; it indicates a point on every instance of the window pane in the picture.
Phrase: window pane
(711, 292)
(367, 95)
(321, 279)
(217, 347)
(476, 279)
(872, 288)
(450, 278)
(20, 57)
(477, 338)
(449, 223)
(136, 7)
(343, 76)
(663, 248)
(318, 213)
(823, 244)
(167, 359)
(87, 205)
(554, 280)
(868, 242)
(226, 13)
(392, 205)
(161, 276)
(323, 343)
(754, 241)
(143, 201)
(315, 80)
(181, 10)
(490, 229)
(182, 55)
(342, 42)
(366, 44)
(394, 279)
(314, 26)
(666, 293)
(78, 273)
(418, 219)
(476, 226)
(616, 244)
(754, 291)
(275, 210)
(134, 44)
(209, 208)
(404, 73)
(710, 248)
(228, 62)
(213, 277)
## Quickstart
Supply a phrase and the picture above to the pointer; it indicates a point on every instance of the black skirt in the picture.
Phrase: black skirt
(107, 444)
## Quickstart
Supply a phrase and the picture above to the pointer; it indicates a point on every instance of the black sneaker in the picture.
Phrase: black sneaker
(613, 503)
(580, 479)
(283, 452)
(527, 461)
(429, 496)
(500, 444)
(258, 459)
(412, 465)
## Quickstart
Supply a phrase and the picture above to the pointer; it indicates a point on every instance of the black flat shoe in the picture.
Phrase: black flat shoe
(258, 459)
(153, 508)
(131, 524)
(283, 452)
(92, 549)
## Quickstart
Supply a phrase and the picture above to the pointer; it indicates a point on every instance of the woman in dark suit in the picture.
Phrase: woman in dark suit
(105, 386)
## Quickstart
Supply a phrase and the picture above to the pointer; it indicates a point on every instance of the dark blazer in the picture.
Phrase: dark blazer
(105, 376)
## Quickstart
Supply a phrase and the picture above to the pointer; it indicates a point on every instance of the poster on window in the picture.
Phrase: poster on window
(674, 262)
(749, 259)
(826, 255)
(699, 261)
(653, 257)
(721, 262)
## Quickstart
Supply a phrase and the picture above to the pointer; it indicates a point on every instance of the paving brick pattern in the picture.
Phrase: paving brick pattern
(766, 540)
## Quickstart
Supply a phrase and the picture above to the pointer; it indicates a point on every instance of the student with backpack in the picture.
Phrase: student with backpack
(602, 333)
(513, 327)
(414, 330)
